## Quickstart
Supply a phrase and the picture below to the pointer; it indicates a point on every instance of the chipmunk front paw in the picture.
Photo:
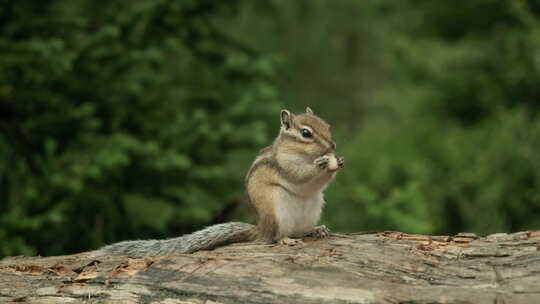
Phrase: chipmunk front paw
(341, 162)
(330, 162)
(322, 162)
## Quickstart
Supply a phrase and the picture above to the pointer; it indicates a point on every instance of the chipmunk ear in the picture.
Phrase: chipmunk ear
(286, 119)
(309, 111)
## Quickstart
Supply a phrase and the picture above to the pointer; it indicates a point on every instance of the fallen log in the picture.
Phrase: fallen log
(383, 267)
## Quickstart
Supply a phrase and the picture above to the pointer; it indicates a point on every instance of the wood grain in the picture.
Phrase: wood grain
(383, 267)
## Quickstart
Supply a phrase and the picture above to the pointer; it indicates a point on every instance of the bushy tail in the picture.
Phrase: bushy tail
(208, 238)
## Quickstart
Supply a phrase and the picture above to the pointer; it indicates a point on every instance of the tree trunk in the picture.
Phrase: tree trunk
(387, 267)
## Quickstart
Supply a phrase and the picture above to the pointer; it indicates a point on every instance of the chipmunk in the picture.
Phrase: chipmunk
(285, 184)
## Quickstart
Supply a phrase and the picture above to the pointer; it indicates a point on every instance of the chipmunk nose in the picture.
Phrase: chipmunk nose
(331, 149)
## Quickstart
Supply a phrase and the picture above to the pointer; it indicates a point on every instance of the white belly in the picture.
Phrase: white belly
(296, 215)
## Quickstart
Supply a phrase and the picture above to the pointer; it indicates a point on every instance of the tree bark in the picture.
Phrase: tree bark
(386, 267)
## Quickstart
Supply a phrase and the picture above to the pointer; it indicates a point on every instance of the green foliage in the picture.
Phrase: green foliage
(123, 119)
(458, 151)
(135, 119)
(426, 176)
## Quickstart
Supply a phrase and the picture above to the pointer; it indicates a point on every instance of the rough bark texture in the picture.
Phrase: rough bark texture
(387, 267)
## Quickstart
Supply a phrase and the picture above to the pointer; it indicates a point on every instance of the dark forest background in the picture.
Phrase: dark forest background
(138, 119)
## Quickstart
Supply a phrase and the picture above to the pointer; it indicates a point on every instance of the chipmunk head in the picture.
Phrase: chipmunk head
(306, 134)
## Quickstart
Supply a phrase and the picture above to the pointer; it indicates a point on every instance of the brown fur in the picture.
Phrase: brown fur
(285, 184)
(288, 161)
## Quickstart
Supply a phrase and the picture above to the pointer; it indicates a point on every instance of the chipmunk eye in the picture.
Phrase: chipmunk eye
(306, 133)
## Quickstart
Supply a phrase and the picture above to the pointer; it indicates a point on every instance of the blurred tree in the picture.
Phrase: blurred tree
(333, 57)
(123, 119)
(459, 150)
(135, 119)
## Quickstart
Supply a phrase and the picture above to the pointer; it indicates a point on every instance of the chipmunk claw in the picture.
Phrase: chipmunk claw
(319, 232)
(341, 162)
(322, 162)
(290, 242)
